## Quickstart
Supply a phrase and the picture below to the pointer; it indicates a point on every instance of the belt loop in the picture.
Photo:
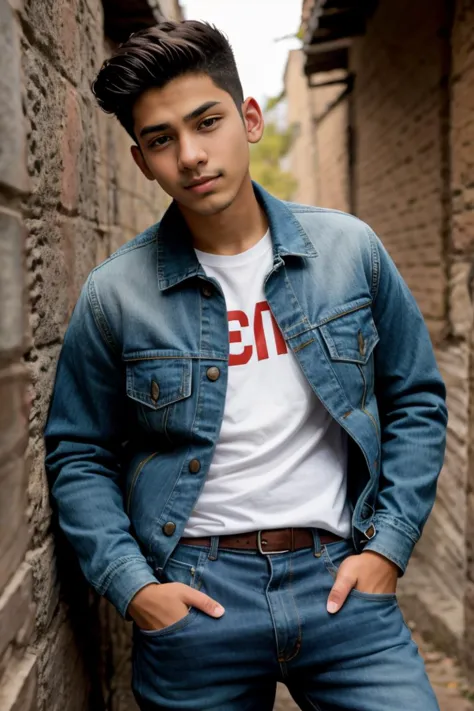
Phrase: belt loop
(213, 548)
(316, 543)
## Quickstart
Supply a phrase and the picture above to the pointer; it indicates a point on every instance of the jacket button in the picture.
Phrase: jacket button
(206, 291)
(370, 532)
(155, 391)
(194, 466)
(213, 373)
(169, 528)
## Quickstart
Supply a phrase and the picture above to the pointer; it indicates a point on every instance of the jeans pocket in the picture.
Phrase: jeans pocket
(170, 629)
(185, 566)
(334, 554)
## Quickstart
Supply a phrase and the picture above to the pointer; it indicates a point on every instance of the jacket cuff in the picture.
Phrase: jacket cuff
(392, 541)
(121, 584)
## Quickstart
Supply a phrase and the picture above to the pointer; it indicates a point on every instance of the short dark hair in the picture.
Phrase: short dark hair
(154, 56)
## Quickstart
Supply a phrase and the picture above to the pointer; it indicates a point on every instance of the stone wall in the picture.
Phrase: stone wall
(70, 194)
(461, 177)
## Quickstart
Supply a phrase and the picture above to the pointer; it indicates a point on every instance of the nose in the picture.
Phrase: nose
(191, 154)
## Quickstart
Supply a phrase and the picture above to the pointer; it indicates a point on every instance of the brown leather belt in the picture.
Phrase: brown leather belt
(281, 540)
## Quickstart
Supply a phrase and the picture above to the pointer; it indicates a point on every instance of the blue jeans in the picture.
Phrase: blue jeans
(276, 628)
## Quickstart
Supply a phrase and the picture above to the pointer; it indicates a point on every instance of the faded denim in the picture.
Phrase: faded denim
(276, 628)
(133, 406)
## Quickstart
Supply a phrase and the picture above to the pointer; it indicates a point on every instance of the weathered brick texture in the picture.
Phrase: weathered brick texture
(69, 196)
(400, 187)
(399, 100)
(300, 115)
(412, 114)
(403, 143)
(318, 156)
(17, 670)
(332, 135)
(13, 175)
(462, 243)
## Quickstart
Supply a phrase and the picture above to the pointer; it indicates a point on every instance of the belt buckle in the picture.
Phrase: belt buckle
(260, 550)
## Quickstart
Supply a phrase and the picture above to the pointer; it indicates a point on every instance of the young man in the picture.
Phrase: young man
(248, 422)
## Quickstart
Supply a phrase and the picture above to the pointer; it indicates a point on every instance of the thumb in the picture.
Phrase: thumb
(202, 602)
(340, 590)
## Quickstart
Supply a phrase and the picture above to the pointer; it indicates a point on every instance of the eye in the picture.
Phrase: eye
(209, 122)
(159, 141)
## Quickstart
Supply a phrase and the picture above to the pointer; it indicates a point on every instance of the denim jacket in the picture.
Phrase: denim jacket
(135, 415)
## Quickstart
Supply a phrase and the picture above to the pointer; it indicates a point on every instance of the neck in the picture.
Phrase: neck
(233, 230)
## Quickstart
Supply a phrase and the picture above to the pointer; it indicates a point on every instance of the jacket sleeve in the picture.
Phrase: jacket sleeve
(84, 436)
(411, 400)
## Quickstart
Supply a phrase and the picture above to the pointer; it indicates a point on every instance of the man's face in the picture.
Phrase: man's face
(194, 141)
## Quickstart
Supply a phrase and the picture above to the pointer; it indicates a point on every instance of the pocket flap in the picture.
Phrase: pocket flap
(351, 337)
(157, 382)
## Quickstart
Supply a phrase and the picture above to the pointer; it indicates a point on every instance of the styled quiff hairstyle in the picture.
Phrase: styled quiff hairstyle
(154, 56)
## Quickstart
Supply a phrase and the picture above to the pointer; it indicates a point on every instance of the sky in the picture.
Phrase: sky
(252, 27)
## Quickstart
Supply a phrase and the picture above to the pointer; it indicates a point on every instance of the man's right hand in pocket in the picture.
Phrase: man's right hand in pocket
(157, 606)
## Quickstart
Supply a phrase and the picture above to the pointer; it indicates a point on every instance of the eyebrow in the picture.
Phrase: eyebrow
(189, 117)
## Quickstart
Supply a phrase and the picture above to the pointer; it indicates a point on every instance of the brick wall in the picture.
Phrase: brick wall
(412, 112)
(402, 172)
(319, 156)
(70, 194)
(302, 156)
(398, 105)
(332, 143)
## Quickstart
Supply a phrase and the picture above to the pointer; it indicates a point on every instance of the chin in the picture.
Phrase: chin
(211, 205)
(215, 209)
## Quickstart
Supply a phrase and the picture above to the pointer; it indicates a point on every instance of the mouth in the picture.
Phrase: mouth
(203, 185)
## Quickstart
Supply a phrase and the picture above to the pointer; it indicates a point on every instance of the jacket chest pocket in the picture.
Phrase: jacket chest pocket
(160, 390)
(350, 340)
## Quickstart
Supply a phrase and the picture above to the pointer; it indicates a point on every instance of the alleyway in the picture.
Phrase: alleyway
(447, 681)
(379, 102)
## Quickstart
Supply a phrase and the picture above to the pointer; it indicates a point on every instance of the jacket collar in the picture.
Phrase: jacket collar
(177, 260)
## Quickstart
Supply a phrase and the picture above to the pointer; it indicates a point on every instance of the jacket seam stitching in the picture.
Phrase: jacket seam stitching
(375, 259)
(172, 495)
(387, 522)
(106, 578)
(126, 249)
(99, 318)
(328, 319)
(295, 208)
(211, 356)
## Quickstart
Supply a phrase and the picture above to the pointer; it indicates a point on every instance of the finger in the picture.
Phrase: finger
(340, 590)
(203, 602)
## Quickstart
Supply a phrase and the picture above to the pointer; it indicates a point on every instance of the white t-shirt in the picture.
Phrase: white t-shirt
(280, 460)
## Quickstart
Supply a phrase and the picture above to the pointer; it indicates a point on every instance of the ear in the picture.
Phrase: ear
(140, 161)
(253, 120)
